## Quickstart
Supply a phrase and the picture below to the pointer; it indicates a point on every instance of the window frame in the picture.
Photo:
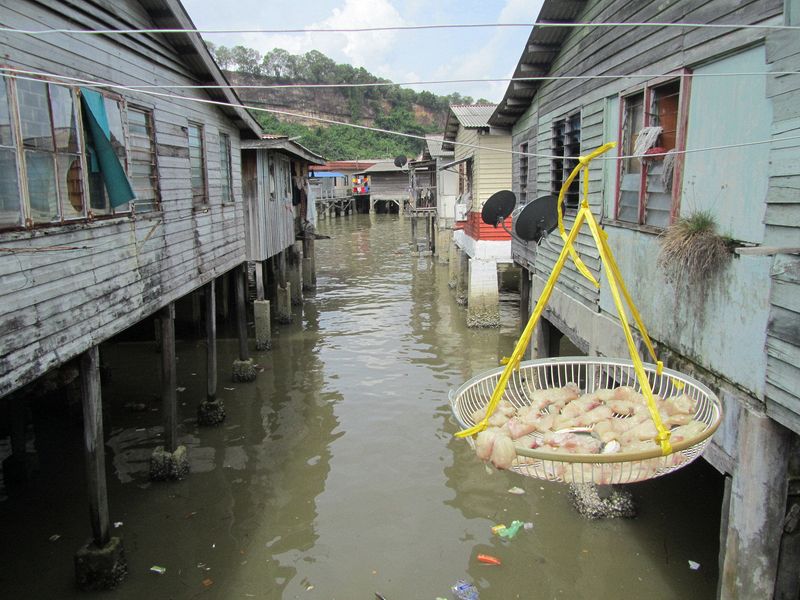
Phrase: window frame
(524, 166)
(204, 204)
(226, 167)
(149, 113)
(683, 78)
(26, 221)
(569, 161)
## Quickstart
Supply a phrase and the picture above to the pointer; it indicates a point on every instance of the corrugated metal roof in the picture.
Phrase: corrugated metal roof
(434, 142)
(539, 52)
(384, 166)
(473, 116)
(282, 142)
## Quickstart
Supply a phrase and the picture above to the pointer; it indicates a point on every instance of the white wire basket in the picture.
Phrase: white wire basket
(591, 374)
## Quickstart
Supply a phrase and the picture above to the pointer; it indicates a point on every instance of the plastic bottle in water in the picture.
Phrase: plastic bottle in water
(464, 590)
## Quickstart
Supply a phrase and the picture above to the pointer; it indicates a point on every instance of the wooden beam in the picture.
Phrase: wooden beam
(169, 400)
(94, 447)
(531, 69)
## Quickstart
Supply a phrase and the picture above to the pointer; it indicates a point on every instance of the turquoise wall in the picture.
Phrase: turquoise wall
(731, 183)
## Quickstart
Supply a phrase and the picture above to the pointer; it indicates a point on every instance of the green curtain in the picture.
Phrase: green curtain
(103, 156)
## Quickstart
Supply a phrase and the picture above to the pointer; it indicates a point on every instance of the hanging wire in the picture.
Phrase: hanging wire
(11, 72)
(270, 86)
(541, 24)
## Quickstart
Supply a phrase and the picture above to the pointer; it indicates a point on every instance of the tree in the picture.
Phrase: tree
(223, 56)
(247, 60)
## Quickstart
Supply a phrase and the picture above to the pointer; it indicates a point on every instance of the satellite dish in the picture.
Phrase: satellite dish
(536, 219)
(498, 207)
(400, 161)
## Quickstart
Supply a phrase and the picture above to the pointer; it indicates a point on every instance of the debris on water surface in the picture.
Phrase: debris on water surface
(464, 590)
(694, 565)
(54, 537)
(488, 559)
(158, 569)
(516, 490)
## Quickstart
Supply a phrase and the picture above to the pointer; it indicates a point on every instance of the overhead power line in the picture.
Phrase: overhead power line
(271, 86)
(540, 24)
(37, 75)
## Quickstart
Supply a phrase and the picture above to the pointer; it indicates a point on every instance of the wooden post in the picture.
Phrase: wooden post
(169, 400)
(309, 261)
(211, 341)
(241, 314)
(94, 446)
(259, 281)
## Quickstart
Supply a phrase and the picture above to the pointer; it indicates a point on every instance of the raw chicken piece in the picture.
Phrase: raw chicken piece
(582, 405)
(571, 442)
(541, 399)
(541, 422)
(484, 443)
(624, 408)
(518, 427)
(690, 430)
(679, 405)
(625, 392)
(503, 453)
(646, 430)
(594, 416)
(505, 407)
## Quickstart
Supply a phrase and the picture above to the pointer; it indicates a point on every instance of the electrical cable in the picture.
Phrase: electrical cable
(11, 72)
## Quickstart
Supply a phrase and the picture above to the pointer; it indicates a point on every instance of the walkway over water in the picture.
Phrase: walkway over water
(336, 474)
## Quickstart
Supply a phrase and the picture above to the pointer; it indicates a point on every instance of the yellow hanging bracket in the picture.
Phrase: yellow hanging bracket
(617, 287)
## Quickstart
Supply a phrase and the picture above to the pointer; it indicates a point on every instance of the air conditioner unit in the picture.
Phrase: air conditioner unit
(461, 212)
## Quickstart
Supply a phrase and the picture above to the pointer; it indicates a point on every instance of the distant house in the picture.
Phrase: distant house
(388, 185)
(435, 184)
(736, 330)
(482, 157)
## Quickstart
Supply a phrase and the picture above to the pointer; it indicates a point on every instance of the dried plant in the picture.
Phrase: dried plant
(692, 249)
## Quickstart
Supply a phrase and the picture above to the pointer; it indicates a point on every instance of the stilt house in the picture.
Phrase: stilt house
(721, 95)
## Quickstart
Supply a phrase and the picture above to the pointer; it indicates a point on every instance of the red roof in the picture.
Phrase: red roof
(346, 165)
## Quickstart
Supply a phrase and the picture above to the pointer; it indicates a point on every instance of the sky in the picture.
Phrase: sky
(400, 56)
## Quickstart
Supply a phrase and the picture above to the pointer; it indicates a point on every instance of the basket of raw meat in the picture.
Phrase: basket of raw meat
(584, 420)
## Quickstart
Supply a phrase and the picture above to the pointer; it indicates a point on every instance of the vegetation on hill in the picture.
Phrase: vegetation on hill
(341, 142)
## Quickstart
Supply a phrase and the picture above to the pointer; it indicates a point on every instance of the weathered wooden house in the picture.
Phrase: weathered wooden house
(388, 185)
(483, 161)
(719, 95)
(435, 184)
(279, 208)
(114, 202)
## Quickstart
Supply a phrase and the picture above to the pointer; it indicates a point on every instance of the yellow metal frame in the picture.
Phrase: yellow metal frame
(615, 283)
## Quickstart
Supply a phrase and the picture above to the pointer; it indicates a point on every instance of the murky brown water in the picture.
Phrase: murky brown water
(336, 475)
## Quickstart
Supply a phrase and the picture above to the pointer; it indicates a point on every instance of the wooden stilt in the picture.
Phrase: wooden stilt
(259, 281)
(211, 341)
(241, 314)
(94, 446)
(169, 377)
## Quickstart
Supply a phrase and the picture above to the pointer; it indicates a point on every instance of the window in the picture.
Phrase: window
(99, 201)
(650, 123)
(51, 151)
(67, 154)
(10, 197)
(565, 146)
(226, 173)
(143, 171)
(523, 174)
(197, 164)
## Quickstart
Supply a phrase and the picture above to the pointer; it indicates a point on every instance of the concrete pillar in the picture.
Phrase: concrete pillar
(309, 262)
(757, 509)
(211, 411)
(462, 281)
(263, 327)
(223, 304)
(453, 265)
(293, 264)
(444, 238)
(260, 290)
(483, 295)
(243, 369)
(283, 304)
(100, 564)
